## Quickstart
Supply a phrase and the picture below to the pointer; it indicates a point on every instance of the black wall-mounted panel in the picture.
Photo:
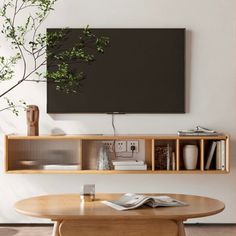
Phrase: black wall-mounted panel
(142, 71)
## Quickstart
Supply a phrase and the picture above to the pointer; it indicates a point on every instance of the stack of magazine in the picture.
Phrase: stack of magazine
(199, 131)
(131, 201)
(129, 165)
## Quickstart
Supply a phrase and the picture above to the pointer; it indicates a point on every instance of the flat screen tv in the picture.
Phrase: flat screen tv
(142, 71)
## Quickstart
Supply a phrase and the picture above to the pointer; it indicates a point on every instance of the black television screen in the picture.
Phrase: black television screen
(142, 71)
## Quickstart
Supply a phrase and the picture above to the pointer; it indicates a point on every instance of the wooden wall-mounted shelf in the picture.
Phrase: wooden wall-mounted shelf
(83, 151)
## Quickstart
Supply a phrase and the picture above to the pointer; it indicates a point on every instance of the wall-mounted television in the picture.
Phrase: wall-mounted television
(142, 71)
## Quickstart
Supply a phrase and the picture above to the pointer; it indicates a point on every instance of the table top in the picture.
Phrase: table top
(69, 206)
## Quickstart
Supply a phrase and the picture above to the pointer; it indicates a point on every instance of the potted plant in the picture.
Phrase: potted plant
(29, 44)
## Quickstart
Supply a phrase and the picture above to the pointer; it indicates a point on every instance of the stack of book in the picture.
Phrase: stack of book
(129, 165)
(216, 149)
(199, 131)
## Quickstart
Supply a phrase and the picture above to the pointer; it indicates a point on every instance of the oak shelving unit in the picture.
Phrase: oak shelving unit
(83, 150)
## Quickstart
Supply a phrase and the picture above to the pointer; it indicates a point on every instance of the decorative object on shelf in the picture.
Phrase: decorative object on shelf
(104, 162)
(190, 154)
(163, 157)
(29, 164)
(87, 193)
(198, 131)
(32, 120)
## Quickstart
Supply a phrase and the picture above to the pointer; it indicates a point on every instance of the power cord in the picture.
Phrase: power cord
(114, 141)
(113, 124)
(132, 149)
(114, 133)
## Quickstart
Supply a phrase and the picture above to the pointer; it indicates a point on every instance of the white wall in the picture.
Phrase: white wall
(211, 100)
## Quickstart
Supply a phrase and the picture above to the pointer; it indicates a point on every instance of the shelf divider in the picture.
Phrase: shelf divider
(148, 153)
(177, 154)
(80, 153)
(153, 154)
(202, 155)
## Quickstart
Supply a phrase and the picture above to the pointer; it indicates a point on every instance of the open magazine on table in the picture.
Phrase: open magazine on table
(132, 201)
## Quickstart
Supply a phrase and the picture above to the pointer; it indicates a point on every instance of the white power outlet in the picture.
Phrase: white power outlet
(132, 143)
(108, 145)
(120, 146)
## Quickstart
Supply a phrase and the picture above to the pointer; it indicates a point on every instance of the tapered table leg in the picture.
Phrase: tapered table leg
(55, 231)
(181, 228)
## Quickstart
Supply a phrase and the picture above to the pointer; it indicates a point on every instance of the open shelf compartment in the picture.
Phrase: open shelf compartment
(182, 144)
(90, 153)
(165, 155)
(43, 155)
(213, 152)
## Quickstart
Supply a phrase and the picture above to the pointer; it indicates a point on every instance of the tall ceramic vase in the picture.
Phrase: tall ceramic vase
(190, 154)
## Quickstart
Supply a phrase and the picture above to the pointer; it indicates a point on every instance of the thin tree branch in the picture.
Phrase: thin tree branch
(14, 15)
(26, 49)
(21, 52)
(13, 106)
(20, 8)
(22, 80)
(5, 66)
(34, 80)
(31, 5)
(39, 55)
(34, 35)
(40, 49)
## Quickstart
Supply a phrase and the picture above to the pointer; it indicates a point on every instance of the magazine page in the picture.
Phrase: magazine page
(128, 201)
(164, 201)
(131, 201)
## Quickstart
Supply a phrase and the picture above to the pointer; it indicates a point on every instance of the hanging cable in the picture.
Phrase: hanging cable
(114, 141)
(114, 133)
(113, 124)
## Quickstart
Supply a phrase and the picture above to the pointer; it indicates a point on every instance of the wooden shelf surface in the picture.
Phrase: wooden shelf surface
(112, 137)
(115, 172)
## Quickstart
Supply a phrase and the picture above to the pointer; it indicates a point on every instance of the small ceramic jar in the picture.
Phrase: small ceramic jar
(190, 155)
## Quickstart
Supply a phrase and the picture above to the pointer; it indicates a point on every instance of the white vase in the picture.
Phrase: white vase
(190, 154)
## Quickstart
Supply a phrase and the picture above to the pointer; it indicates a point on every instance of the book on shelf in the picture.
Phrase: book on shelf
(173, 161)
(210, 155)
(168, 157)
(223, 154)
(131, 201)
(130, 167)
(220, 155)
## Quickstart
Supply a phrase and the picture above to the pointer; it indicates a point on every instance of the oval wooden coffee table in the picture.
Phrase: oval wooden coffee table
(74, 218)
